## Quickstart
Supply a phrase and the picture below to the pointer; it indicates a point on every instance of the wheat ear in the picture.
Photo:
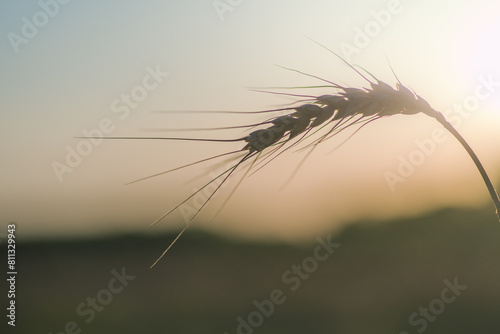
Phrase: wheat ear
(327, 115)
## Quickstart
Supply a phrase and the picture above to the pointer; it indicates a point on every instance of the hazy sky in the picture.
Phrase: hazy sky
(68, 69)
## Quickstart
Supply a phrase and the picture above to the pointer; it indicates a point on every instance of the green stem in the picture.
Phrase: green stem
(487, 181)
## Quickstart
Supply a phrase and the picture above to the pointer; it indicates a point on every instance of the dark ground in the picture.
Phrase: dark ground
(372, 283)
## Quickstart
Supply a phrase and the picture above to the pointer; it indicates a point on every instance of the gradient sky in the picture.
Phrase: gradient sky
(71, 74)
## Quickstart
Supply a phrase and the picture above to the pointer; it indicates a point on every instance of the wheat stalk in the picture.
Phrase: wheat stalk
(330, 114)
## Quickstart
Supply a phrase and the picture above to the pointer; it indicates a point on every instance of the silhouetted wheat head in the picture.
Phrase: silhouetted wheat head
(319, 119)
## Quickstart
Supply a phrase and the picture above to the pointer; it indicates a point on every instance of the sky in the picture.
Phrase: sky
(85, 68)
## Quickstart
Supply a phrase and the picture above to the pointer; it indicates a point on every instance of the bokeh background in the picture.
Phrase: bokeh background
(67, 69)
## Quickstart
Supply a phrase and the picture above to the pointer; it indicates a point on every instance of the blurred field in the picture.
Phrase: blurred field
(372, 283)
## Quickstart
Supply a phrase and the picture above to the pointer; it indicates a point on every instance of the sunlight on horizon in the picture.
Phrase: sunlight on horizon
(75, 74)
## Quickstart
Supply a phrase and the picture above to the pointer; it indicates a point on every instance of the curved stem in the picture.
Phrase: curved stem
(487, 181)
